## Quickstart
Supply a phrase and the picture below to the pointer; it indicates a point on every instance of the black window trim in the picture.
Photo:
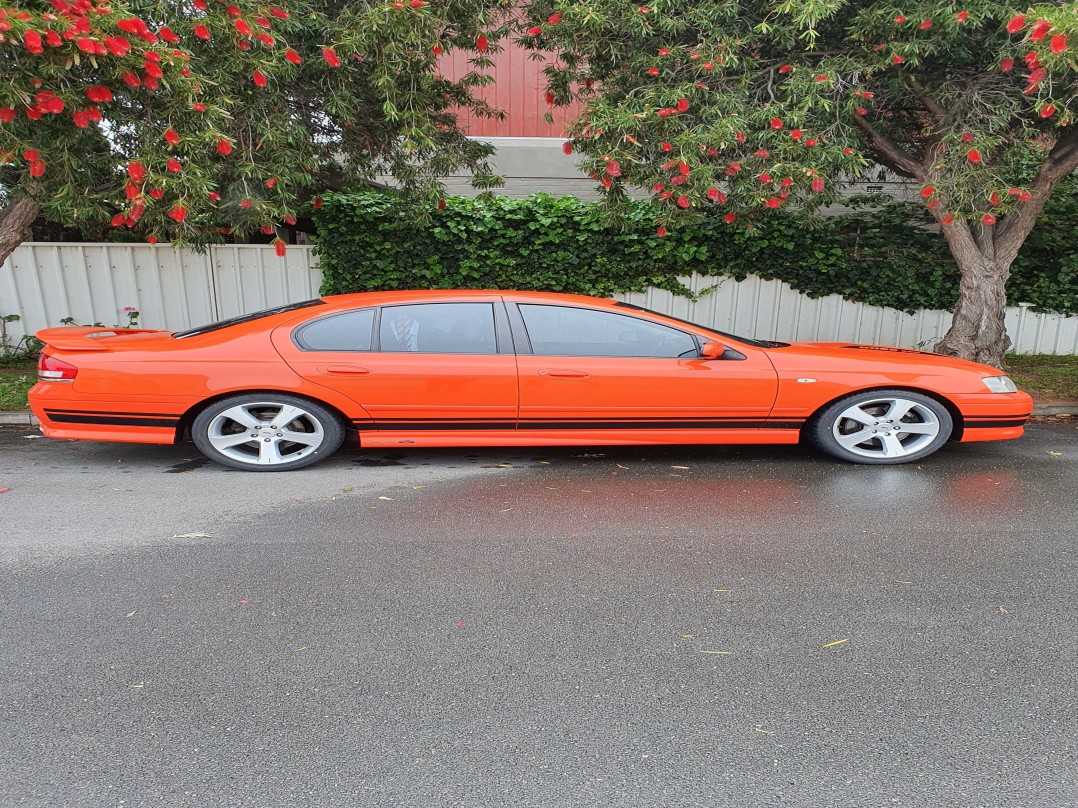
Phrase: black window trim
(247, 318)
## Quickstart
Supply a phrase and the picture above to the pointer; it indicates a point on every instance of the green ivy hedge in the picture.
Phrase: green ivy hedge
(884, 256)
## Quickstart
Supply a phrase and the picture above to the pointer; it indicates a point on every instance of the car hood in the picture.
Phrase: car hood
(857, 354)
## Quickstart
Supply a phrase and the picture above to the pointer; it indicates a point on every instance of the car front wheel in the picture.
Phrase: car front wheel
(267, 432)
(882, 427)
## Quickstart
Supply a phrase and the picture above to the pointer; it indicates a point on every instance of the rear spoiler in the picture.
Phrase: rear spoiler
(84, 337)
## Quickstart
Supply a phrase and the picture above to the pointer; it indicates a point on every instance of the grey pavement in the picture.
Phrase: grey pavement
(675, 626)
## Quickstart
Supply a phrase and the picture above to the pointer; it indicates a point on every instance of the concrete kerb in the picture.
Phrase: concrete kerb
(1039, 411)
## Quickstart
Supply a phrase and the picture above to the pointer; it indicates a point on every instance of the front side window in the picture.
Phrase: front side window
(348, 331)
(568, 331)
(455, 328)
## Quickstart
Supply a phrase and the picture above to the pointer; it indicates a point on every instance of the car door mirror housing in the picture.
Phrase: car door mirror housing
(716, 350)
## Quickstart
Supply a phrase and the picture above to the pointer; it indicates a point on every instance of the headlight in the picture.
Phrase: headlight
(999, 384)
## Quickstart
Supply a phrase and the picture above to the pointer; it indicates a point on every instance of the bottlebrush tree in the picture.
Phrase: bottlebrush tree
(183, 120)
(766, 104)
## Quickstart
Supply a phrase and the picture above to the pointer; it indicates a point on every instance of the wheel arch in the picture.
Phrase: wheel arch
(183, 429)
(958, 423)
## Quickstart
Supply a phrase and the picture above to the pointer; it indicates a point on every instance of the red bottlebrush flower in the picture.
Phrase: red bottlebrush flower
(481, 43)
(1017, 23)
(947, 218)
(682, 104)
(266, 39)
(152, 239)
(1031, 60)
(554, 18)
(53, 105)
(715, 195)
(1048, 110)
(7, 114)
(214, 196)
(33, 113)
(666, 146)
(118, 220)
(817, 184)
(293, 57)
(417, 4)
(131, 79)
(1039, 30)
(81, 119)
(198, 106)
(397, 4)
(280, 247)
(168, 35)
(52, 39)
(729, 217)
(974, 156)
(933, 204)
(157, 193)
(1006, 65)
(549, 97)
(994, 198)
(765, 178)
(32, 41)
(861, 111)
(708, 65)
(1024, 196)
(131, 190)
(259, 78)
(664, 51)
(440, 205)
(821, 77)
(1059, 43)
(271, 183)
(899, 20)
(37, 168)
(657, 187)
(202, 31)
(773, 202)
(149, 82)
(279, 13)
(535, 30)
(924, 26)
(776, 123)
(99, 94)
(267, 229)
(678, 179)
(660, 231)
(961, 17)
(988, 218)
(224, 148)
(289, 219)
(179, 213)
(739, 136)
(796, 134)
(136, 171)
(897, 60)
(153, 70)
(613, 168)
(246, 203)
(117, 46)
(331, 57)
(683, 202)
(967, 137)
(653, 71)
(242, 28)
(567, 147)
(233, 11)
(733, 169)
(30, 155)
(786, 68)
(171, 137)
(786, 182)
(811, 141)
(173, 165)
(847, 150)
(683, 168)
(927, 191)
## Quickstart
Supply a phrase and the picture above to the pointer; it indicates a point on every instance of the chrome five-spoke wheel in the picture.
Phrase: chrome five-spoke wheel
(267, 432)
(882, 427)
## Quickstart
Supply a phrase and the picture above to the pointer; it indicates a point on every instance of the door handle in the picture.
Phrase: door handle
(564, 374)
(346, 370)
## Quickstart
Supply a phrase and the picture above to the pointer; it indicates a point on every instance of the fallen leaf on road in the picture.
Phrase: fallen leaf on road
(833, 644)
(301, 648)
(4, 490)
(131, 614)
(902, 582)
(621, 466)
(390, 499)
(348, 490)
(1056, 454)
(192, 536)
(689, 636)
(1002, 610)
(720, 590)
(762, 731)
(680, 467)
(137, 685)
(715, 652)
(505, 510)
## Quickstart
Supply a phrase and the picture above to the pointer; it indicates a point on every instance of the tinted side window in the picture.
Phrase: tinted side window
(459, 328)
(566, 331)
(350, 331)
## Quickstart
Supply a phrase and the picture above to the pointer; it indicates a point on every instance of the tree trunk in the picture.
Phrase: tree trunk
(15, 221)
(978, 332)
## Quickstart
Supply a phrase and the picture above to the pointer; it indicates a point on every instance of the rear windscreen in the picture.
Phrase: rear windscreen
(246, 318)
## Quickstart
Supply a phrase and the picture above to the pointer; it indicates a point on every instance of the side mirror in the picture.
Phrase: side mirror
(712, 350)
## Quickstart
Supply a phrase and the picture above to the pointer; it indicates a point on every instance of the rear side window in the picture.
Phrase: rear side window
(451, 328)
(349, 331)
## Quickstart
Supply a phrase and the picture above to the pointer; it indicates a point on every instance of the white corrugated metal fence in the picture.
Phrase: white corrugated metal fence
(172, 288)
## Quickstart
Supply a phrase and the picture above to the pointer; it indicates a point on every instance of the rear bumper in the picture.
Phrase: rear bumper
(83, 419)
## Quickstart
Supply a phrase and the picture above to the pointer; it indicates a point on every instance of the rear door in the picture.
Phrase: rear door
(428, 366)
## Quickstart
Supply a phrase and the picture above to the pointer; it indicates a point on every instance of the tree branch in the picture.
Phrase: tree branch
(890, 153)
(1061, 161)
(941, 113)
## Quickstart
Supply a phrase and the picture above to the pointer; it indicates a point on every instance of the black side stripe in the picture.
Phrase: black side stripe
(449, 425)
(995, 424)
(108, 412)
(110, 420)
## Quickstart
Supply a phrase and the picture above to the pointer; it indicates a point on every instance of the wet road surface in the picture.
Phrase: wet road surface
(629, 626)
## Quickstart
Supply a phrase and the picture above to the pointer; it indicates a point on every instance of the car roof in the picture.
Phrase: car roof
(445, 295)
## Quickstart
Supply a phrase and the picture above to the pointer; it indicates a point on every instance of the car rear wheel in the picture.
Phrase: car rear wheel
(882, 427)
(267, 432)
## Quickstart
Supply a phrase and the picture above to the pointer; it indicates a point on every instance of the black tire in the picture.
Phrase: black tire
(219, 431)
(881, 427)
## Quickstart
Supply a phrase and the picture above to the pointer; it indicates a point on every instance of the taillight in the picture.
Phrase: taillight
(51, 369)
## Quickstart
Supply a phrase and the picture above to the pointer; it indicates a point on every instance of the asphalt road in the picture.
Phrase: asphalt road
(624, 627)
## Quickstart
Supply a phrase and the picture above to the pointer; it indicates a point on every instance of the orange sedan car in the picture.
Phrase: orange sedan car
(282, 388)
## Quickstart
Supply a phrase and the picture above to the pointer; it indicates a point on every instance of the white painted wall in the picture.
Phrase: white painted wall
(180, 288)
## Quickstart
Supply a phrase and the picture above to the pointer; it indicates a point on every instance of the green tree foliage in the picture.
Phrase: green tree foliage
(759, 106)
(178, 119)
(882, 255)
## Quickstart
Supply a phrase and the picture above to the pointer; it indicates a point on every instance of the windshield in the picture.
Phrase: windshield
(759, 343)
(246, 318)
